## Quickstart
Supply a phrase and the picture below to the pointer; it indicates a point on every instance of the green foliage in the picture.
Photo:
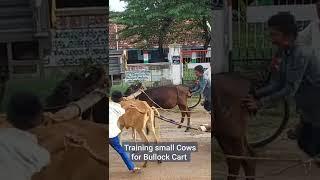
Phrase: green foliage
(147, 20)
(41, 88)
(122, 87)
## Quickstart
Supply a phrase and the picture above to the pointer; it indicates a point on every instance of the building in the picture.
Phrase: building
(24, 34)
(37, 37)
(187, 38)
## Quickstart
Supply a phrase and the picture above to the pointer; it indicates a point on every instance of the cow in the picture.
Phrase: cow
(139, 115)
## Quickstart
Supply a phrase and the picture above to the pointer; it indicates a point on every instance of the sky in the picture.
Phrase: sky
(116, 5)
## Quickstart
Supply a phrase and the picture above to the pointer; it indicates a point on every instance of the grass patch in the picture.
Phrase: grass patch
(122, 87)
(41, 87)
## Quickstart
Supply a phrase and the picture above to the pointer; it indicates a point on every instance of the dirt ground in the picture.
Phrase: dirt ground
(198, 168)
(282, 148)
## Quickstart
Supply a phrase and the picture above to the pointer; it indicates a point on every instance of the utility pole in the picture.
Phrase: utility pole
(220, 36)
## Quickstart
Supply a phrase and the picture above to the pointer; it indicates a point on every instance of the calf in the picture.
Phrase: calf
(138, 115)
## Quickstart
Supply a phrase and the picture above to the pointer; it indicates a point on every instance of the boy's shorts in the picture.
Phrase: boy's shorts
(207, 105)
(309, 139)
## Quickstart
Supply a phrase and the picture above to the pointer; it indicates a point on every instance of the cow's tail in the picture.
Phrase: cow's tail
(152, 113)
(149, 113)
(156, 114)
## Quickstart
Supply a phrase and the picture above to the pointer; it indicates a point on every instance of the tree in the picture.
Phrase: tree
(148, 20)
(198, 13)
(145, 20)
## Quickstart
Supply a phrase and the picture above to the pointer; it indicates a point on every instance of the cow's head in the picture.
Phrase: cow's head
(134, 88)
(76, 85)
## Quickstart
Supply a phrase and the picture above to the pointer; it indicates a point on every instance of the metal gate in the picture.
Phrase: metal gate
(190, 59)
(251, 45)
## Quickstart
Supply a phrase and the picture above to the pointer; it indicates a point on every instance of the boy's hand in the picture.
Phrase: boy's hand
(251, 103)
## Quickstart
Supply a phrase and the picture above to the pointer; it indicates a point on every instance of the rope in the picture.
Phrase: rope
(169, 110)
(78, 142)
(255, 158)
(177, 123)
(306, 164)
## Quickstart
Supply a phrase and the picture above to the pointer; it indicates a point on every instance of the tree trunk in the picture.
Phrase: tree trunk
(160, 49)
(207, 42)
(164, 29)
(206, 32)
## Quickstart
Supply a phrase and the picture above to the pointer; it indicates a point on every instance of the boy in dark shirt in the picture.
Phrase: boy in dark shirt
(297, 75)
(203, 85)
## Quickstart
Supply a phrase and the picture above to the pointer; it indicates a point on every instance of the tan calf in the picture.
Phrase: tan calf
(138, 116)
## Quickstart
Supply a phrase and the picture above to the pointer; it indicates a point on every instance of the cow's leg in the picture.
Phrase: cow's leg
(188, 117)
(228, 145)
(249, 166)
(145, 139)
(151, 126)
(182, 115)
(134, 136)
(185, 109)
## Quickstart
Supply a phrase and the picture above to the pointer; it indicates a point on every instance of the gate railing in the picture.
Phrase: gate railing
(252, 48)
(193, 56)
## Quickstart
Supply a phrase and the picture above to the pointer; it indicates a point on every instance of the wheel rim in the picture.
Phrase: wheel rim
(194, 101)
(263, 139)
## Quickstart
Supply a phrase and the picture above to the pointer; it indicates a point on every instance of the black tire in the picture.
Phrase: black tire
(285, 119)
(198, 102)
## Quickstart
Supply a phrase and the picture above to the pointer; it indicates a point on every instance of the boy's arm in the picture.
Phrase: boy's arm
(275, 80)
(132, 96)
(200, 87)
(196, 88)
(296, 68)
(273, 86)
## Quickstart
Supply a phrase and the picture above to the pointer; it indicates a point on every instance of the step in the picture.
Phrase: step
(15, 3)
(16, 23)
(15, 12)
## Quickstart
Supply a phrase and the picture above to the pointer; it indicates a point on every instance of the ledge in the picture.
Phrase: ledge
(81, 11)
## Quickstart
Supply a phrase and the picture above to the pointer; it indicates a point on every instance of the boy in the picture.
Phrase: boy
(20, 155)
(298, 75)
(203, 85)
(115, 112)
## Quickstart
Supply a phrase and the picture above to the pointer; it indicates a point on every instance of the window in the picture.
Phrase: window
(23, 69)
(25, 50)
(81, 3)
(4, 70)
(3, 53)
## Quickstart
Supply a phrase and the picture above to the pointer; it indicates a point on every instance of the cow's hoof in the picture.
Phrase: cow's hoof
(179, 126)
(144, 166)
(187, 130)
(159, 161)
